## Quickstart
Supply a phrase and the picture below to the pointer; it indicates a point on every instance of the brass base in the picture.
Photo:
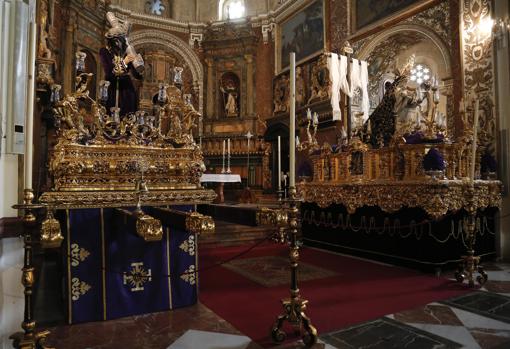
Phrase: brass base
(469, 266)
(22, 340)
(294, 313)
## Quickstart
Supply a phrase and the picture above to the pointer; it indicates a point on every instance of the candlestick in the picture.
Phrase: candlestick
(292, 131)
(279, 165)
(475, 135)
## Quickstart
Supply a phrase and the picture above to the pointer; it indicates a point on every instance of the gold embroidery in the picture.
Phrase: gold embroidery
(78, 288)
(188, 246)
(189, 275)
(137, 277)
(78, 254)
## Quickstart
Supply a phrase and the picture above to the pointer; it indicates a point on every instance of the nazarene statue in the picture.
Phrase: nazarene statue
(121, 63)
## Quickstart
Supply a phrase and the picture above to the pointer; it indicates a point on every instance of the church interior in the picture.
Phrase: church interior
(242, 174)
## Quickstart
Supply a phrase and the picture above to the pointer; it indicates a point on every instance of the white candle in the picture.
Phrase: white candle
(29, 116)
(279, 164)
(228, 148)
(292, 131)
(475, 135)
(223, 167)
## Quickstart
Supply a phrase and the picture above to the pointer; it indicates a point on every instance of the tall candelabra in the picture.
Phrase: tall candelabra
(286, 219)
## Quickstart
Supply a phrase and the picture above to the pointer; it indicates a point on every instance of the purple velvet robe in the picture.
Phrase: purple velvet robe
(128, 99)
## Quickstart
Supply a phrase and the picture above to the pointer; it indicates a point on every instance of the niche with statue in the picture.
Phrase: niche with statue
(230, 93)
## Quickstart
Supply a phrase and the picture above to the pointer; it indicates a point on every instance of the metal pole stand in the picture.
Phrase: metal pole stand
(470, 263)
(294, 307)
(29, 339)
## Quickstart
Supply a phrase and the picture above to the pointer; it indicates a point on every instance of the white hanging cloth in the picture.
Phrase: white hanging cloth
(355, 75)
(365, 101)
(344, 84)
(334, 77)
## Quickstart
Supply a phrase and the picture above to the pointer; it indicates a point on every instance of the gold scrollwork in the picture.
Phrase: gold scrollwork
(77, 199)
(188, 245)
(78, 254)
(189, 275)
(78, 288)
(268, 216)
(149, 228)
(197, 223)
(436, 198)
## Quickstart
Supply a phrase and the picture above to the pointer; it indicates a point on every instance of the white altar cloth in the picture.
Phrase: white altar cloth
(221, 178)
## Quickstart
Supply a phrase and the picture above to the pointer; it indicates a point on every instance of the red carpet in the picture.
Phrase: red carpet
(359, 291)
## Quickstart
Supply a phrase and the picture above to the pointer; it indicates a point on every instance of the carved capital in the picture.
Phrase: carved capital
(266, 30)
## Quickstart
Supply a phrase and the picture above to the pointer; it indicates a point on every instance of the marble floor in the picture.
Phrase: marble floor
(480, 319)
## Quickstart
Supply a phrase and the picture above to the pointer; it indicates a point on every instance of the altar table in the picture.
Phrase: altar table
(221, 179)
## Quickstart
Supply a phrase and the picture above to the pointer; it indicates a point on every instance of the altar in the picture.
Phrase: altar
(221, 179)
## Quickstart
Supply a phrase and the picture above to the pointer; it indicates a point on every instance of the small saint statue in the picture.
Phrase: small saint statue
(230, 98)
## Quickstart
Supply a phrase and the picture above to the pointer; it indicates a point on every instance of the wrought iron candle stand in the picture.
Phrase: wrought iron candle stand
(29, 338)
(286, 220)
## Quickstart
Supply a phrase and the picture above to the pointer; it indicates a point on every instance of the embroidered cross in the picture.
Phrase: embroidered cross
(137, 277)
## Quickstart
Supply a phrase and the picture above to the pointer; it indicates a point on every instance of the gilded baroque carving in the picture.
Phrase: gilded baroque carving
(478, 65)
(435, 198)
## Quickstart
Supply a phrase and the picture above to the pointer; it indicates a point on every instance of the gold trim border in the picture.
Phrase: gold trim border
(103, 199)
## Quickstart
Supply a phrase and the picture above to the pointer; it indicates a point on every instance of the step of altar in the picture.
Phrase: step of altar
(227, 233)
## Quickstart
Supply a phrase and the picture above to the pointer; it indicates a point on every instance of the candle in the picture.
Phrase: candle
(228, 155)
(223, 167)
(29, 116)
(279, 164)
(292, 131)
(475, 135)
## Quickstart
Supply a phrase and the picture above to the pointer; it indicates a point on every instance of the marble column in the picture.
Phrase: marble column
(249, 84)
(502, 57)
(210, 87)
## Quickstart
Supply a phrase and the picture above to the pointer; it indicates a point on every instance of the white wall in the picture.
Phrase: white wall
(11, 249)
(11, 290)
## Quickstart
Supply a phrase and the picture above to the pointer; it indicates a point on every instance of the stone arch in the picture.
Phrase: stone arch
(423, 31)
(142, 37)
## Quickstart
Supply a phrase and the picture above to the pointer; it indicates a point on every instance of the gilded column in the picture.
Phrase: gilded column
(249, 84)
(210, 86)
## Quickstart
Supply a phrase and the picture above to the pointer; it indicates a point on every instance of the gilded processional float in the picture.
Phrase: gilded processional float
(125, 187)
(397, 187)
